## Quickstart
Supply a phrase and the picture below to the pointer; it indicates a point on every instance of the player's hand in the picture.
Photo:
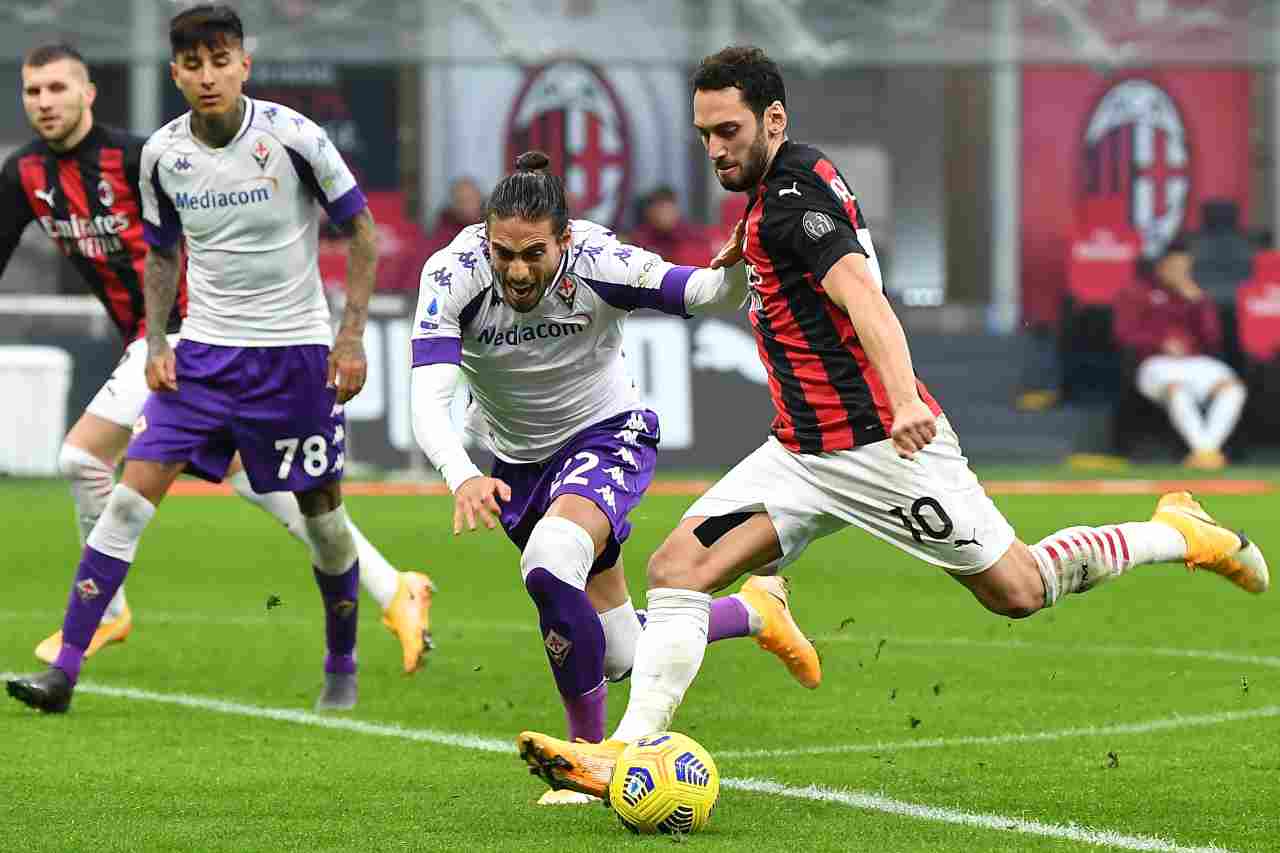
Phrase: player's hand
(478, 498)
(347, 366)
(914, 426)
(162, 367)
(731, 252)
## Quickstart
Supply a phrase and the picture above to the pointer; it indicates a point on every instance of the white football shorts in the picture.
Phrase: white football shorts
(932, 507)
(121, 397)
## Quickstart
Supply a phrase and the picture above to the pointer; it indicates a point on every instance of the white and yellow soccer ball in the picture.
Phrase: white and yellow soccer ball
(664, 783)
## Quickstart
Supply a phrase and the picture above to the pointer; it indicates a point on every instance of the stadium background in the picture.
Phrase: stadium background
(962, 127)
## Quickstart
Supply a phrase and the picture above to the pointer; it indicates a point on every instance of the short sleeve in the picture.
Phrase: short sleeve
(161, 226)
(815, 219)
(17, 208)
(322, 169)
(442, 300)
(630, 277)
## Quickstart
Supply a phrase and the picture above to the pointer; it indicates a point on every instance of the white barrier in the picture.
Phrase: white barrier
(34, 382)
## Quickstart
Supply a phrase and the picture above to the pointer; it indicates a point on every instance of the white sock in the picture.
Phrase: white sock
(1224, 414)
(668, 656)
(1186, 418)
(622, 630)
(755, 622)
(1079, 558)
(91, 481)
(377, 576)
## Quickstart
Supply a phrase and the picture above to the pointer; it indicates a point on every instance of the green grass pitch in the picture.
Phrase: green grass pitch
(1149, 708)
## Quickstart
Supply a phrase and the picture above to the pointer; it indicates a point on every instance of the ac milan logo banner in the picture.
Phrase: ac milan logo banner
(1142, 150)
(569, 110)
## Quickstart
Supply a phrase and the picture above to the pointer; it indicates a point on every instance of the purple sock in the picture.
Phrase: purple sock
(728, 619)
(97, 579)
(586, 714)
(341, 594)
(571, 632)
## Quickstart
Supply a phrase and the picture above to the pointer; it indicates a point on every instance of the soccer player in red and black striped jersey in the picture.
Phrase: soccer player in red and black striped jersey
(79, 180)
(857, 438)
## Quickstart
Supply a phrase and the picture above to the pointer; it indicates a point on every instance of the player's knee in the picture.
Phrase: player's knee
(333, 548)
(562, 548)
(76, 463)
(118, 530)
(1017, 600)
(679, 563)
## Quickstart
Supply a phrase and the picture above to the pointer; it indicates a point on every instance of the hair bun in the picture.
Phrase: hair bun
(533, 161)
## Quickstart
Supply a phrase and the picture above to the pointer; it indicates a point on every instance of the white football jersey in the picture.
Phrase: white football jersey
(247, 211)
(537, 379)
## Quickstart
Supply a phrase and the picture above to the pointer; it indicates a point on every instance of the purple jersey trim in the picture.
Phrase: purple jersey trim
(672, 290)
(667, 297)
(169, 231)
(345, 206)
(437, 351)
(340, 209)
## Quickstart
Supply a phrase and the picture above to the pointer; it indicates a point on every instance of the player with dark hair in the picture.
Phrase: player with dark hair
(857, 438)
(255, 371)
(79, 180)
(530, 306)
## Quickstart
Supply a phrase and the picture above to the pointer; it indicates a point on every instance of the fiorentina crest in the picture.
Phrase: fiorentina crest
(1137, 152)
(557, 646)
(88, 590)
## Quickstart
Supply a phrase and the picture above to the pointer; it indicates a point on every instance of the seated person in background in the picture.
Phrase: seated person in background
(1172, 328)
(664, 232)
(466, 207)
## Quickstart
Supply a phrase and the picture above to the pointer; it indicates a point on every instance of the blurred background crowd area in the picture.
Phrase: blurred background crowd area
(1021, 164)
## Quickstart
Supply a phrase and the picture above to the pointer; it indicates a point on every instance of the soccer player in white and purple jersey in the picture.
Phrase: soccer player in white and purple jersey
(258, 369)
(530, 306)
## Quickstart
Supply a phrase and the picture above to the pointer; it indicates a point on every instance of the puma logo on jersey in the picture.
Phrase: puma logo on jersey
(47, 196)
(790, 190)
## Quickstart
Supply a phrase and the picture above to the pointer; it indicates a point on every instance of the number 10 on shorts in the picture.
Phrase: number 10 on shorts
(315, 456)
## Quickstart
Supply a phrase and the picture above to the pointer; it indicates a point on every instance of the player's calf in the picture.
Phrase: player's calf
(555, 564)
(337, 574)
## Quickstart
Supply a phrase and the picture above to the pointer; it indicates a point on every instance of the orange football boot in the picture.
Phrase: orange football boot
(1211, 546)
(780, 634)
(408, 617)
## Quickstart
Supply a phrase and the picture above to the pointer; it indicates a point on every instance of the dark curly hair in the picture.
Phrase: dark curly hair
(745, 68)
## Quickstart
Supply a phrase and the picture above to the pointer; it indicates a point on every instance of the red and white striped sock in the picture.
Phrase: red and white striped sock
(1079, 558)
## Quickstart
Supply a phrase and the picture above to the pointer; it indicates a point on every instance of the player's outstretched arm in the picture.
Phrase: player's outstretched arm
(474, 495)
(347, 365)
(851, 285)
(160, 289)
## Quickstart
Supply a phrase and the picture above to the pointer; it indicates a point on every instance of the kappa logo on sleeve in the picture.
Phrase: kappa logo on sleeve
(817, 224)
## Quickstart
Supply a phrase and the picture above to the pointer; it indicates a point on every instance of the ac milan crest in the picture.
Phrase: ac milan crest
(1137, 152)
(569, 110)
(106, 194)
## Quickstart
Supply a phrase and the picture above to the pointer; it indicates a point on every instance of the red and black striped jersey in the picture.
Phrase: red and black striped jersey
(87, 201)
(801, 220)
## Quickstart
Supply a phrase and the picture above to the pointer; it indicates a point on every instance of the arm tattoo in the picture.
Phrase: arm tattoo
(362, 264)
(160, 288)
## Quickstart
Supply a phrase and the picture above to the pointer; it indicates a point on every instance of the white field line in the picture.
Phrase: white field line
(854, 799)
(1179, 721)
(1000, 823)
(1055, 648)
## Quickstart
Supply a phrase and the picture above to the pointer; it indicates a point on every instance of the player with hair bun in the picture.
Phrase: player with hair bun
(529, 306)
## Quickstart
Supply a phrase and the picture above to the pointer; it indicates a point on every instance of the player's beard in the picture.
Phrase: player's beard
(64, 130)
(751, 169)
